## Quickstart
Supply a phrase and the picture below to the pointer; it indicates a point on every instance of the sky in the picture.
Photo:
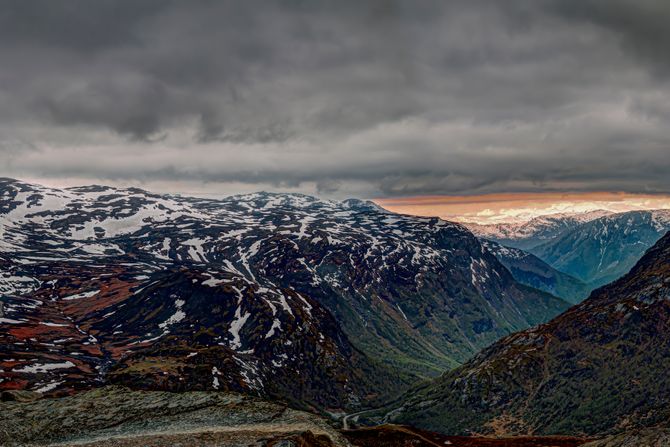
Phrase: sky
(486, 209)
(367, 98)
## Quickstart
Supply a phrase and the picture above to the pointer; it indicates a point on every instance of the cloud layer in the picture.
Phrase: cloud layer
(373, 98)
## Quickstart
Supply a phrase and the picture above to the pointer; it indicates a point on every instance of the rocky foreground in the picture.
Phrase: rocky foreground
(118, 417)
(650, 437)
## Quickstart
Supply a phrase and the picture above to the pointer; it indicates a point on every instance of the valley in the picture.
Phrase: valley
(333, 308)
(594, 370)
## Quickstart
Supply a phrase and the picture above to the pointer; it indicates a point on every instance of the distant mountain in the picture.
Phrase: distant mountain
(328, 303)
(593, 248)
(600, 367)
(604, 249)
(526, 235)
(530, 270)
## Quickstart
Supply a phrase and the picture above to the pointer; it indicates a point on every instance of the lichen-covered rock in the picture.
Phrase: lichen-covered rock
(117, 416)
(19, 396)
(652, 437)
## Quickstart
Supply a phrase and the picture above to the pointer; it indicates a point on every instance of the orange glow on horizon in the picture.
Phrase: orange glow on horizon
(519, 207)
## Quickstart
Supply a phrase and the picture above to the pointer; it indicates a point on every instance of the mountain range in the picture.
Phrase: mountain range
(594, 249)
(604, 249)
(324, 304)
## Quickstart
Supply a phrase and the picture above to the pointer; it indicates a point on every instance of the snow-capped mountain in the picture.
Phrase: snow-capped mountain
(604, 249)
(539, 230)
(249, 292)
(595, 248)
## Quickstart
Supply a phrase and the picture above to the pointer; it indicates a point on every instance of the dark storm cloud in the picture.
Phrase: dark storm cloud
(75, 25)
(642, 25)
(363, 97)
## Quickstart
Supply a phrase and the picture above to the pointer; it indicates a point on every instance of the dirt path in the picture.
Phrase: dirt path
(345, 419)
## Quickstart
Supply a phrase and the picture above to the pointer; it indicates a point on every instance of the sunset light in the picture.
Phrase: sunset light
(519, 207)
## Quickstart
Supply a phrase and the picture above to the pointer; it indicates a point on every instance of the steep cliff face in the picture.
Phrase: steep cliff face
(102, 284)
(598, 368)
